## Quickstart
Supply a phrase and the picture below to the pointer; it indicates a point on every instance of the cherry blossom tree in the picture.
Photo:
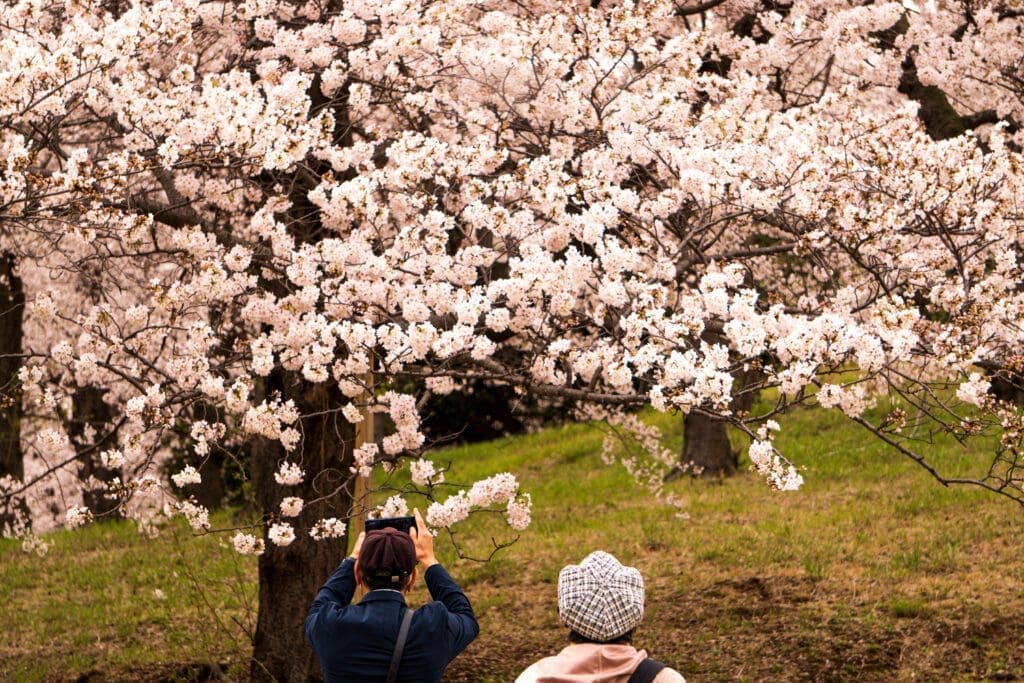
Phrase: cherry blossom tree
(242, 225)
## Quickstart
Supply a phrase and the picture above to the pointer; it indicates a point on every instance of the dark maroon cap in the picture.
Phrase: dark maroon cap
(387, 551)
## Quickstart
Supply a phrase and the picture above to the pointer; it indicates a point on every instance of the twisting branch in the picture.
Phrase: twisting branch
(1003, 490)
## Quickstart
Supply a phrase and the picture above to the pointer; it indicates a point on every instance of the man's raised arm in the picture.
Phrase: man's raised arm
(462, 625)
(335, 594)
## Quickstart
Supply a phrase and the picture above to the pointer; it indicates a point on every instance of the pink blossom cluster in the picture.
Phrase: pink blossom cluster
(517, 512)
(187, 476)
(291, 506)
(281, 534)
(289, 474)
(394, 506)
(247, 544)
(329, 527)
(454, 509)
(197, 516)
(500, 489)
(423, 472)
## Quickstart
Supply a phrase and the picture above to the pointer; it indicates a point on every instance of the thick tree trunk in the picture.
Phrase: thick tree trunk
(706, 450)
(290, 576)
(90, 419)
(12, 308)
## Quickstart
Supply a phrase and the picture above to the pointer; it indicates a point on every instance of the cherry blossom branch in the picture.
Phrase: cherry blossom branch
(1003, 490)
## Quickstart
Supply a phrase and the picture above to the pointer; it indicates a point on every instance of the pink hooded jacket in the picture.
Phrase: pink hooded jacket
(593, 663)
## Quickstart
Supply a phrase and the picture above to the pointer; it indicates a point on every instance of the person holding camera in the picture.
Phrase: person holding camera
(602, 603)
(380, 638)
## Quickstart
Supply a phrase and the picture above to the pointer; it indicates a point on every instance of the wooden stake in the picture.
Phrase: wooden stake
(361, 499)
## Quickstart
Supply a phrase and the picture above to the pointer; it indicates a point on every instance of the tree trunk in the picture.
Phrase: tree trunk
(706, 450)
(14, 513)
(290, 576)
(209, 492)
(90, 419)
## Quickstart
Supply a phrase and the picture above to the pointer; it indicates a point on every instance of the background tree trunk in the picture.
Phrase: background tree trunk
(290, 576)
(12, 309)
(90, 419)
(706, 450)
(210, 491)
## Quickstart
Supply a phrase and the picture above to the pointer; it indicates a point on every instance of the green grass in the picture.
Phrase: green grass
(873, 571)
(91, 604)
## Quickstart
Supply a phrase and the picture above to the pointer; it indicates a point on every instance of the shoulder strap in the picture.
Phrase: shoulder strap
(647, 671)
(396, 658)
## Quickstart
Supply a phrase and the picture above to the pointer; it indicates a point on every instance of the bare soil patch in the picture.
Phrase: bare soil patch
(765, 627)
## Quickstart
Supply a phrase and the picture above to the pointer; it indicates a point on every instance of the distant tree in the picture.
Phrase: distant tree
(295, 211)
(15, 518)
(482, 411)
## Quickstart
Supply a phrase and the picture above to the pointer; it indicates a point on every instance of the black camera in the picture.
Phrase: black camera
(400, 523)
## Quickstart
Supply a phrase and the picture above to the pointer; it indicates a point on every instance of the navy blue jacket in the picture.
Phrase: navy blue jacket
(355, 642)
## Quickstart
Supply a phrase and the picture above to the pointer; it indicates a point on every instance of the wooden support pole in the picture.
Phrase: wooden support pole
(361, 498)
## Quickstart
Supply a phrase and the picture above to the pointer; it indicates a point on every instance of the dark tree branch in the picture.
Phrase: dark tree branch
(698, 8)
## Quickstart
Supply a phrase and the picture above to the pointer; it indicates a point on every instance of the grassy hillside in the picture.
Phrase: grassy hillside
(871, 572)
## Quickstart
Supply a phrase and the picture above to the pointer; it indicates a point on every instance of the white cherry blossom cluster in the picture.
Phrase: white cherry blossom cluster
(975, 390)
(394, 506)
(453, 510)
(402, 409)
(247, 544)
(291, 506)
(281, 534)
(364, 457)
(112, 459)
(204, 434)
(77, 516)
(501, 488)
(330, 527)
(268, 419)
(774, 469)
(289, 474)
(187, 476)
(198, 517)
(517, 512)
(423, 472)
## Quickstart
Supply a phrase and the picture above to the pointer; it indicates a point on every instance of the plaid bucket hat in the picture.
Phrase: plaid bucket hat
(600, 598)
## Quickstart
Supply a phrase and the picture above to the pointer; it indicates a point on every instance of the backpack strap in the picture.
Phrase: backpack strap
(396, 657)
(647, 671)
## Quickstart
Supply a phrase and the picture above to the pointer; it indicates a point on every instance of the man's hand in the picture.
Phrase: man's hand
(424, 542)
(358, 545)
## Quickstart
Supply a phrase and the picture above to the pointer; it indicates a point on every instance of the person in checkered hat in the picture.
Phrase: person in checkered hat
(602, 603)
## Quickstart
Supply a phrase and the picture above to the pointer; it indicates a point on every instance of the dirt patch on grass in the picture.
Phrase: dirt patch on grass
(757, 628)
(739, 627)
